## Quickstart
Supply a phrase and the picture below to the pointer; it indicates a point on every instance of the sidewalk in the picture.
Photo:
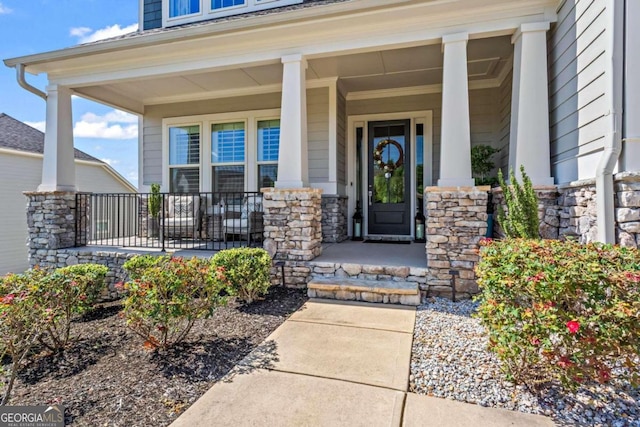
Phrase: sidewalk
(336, 364)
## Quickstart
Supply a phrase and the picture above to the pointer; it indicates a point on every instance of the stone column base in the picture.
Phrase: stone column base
(456, 221)
(292, 229)
(51, 219)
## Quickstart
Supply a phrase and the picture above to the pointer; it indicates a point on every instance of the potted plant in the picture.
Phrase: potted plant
(154, 204)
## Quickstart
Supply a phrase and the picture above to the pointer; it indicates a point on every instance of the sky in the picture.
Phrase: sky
(36, 26)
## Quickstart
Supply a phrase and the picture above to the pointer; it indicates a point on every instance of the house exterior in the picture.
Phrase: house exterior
(21, 148)
(362, 105)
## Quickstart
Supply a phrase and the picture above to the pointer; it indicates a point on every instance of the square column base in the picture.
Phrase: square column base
(456, 182)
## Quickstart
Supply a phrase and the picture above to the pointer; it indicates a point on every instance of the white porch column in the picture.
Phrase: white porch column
(529, 141)
(455, 145)
(58, 164)
(293, 160)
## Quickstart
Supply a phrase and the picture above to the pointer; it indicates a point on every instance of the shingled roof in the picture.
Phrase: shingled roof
(19, 136)
(141, 33)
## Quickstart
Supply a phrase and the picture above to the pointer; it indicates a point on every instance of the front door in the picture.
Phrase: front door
(389, 186)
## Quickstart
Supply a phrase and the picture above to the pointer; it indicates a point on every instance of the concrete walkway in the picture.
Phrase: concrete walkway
(336, 364)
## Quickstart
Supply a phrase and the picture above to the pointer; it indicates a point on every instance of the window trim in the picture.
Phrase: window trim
(250, 118)
(207, 12)
(264, 162)
(166, 173)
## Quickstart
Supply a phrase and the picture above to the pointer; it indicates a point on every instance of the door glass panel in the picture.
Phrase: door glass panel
(389, 155)
(359, 136)
(419, 166)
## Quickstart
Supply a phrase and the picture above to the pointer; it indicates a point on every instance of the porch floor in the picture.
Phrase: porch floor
(385, 254)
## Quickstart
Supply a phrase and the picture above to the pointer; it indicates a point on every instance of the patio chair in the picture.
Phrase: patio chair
(182, 216)
(250, 224)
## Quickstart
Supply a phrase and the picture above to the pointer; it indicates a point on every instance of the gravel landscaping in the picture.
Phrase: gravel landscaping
(108, 378)
(450, 360)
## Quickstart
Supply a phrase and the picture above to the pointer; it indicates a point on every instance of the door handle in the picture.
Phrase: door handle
(370, 196)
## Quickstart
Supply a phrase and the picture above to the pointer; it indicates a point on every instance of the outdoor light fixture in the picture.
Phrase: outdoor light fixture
(357, 223)
(419, 223)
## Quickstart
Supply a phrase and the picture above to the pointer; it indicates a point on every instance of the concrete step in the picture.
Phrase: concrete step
(387, 292)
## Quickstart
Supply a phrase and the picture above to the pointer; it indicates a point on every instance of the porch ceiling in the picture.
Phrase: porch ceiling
(388, 69)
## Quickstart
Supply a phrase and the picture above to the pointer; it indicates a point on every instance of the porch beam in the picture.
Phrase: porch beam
(293, 160)
(455, 147)
(529, 138)
(58, 166)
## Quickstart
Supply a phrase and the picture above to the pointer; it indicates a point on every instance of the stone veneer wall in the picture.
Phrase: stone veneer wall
(56, 258)
(292, 231)
(548, 211)
(456, 219)
(334, 218)
(51, 222)
(570, 210)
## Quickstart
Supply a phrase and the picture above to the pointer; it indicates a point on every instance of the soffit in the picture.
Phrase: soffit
(389, 69)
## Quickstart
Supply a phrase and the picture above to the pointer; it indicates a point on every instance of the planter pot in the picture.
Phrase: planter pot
(153, 229)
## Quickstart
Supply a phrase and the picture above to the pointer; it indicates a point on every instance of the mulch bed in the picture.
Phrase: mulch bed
(108, 378)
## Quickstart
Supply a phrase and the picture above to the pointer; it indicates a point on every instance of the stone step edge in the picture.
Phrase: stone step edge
(377, 269)
(361, 286)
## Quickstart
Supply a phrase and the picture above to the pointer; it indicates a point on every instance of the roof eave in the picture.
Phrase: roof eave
(191, 32)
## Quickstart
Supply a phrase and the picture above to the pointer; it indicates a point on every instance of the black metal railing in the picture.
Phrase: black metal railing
(169, 221)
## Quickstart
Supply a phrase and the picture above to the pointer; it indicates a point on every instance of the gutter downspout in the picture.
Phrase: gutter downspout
(23, 82)
(605, 205)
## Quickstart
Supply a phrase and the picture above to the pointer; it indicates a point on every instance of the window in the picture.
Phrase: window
(184, 159)
(227, 157)
(268, 146)
(183, 7)
(221, 4)
(221, 153)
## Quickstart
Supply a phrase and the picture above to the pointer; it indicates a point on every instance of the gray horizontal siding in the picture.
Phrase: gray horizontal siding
(504, 124)
(318, 134)
(577, 84)
(152, 14)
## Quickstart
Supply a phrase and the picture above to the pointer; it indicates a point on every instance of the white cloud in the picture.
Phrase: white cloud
(116, 116)
(111, 162)
(80, 31)
(113, 125)
(4, 9)
(87, 35)
(38, 125)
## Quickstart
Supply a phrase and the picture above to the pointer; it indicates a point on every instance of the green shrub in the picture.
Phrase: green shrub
(521, 218)
(155, 201)
(560, 310)
(37, 306)
(165, 297)
(481, 163)
(246, 271)
(21, 321)
(67, 292)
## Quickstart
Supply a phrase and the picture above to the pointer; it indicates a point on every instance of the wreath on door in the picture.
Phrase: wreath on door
(388, 166)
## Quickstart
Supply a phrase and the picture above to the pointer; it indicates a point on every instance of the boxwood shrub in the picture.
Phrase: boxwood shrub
(165, 296)
(561, 310)
(246, 271)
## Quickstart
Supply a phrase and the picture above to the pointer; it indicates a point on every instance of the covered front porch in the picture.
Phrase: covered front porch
(342, 118)
(371, 121)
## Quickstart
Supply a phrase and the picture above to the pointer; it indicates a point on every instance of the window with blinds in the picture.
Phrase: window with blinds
(184, 159)
(268, 146)
(228, 143)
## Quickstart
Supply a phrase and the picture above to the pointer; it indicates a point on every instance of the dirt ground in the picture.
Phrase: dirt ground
(107, 377)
